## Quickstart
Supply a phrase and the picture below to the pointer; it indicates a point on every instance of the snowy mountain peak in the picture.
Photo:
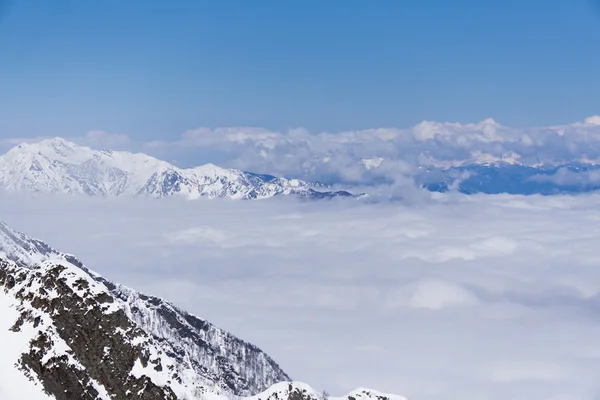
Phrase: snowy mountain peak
(490, 121)
(593, 120)
(57, 142)
(55, 148)
(59, 166)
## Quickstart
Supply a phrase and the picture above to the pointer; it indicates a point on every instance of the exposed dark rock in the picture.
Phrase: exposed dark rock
(90, 338)
(101, 342)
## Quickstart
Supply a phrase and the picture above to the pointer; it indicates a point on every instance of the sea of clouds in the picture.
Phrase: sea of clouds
(449, 297)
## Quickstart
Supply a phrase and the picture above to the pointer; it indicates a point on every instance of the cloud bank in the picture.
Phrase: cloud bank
(467, 297)
(372, 156)
(387, 154)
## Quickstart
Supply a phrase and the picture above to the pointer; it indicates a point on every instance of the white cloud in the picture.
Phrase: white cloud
(526, 371)
(435, 295)
(467, 297)
(593, 120)
(340, 156)
(370, 156)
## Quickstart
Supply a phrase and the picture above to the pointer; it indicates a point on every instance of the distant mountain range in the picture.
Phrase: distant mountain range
(513, 178)
(67, 333)
(59, 166)
(486, 174)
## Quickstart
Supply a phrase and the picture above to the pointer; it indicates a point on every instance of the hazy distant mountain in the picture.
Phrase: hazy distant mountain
(514, 178)
(487, 174)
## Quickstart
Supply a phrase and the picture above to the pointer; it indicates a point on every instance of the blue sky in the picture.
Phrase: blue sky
(153, 69)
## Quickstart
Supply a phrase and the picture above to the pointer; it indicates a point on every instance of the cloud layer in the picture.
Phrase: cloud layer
(478, 297)
(372, 156)
(386, 154)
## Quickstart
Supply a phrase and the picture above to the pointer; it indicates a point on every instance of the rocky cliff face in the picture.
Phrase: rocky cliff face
(83, 346)
(76, 335)
(231, 364)
(198, 349)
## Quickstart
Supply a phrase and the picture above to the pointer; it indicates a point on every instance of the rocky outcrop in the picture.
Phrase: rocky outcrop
(302, 391)
(102, 344)
(83, 337)
(207, 355)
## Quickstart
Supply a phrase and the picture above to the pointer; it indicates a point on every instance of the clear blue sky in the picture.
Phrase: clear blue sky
(153, 69)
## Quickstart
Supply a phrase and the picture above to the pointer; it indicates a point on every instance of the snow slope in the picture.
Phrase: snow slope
(58, 166)
(14, 384)
(299, 390)
(67, 333)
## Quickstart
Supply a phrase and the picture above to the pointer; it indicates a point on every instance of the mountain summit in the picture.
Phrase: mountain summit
(59, 166)
(67, 333)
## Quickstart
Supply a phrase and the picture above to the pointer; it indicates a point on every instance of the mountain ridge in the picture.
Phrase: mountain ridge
(59, 166)
(189, 341)
(78, 335)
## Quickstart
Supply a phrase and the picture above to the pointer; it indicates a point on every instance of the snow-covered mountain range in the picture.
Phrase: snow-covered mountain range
(59, 166)
(67, 333)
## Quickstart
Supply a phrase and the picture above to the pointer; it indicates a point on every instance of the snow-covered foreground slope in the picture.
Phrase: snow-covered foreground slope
(58, 166)
(14, 383)
(67, 333)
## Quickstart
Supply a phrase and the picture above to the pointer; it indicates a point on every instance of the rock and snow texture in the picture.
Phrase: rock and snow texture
(14, 383)
(301, 391)
(200, 353)
(80, 343)
(58, 166)
(67, 333)
(219, 357)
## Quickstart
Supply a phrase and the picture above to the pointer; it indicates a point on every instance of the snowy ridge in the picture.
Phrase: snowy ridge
(302, 391)
(202, 352)
(73, 334)
(69, 321)
(232, 364)
(24, 250)
(58, 166)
